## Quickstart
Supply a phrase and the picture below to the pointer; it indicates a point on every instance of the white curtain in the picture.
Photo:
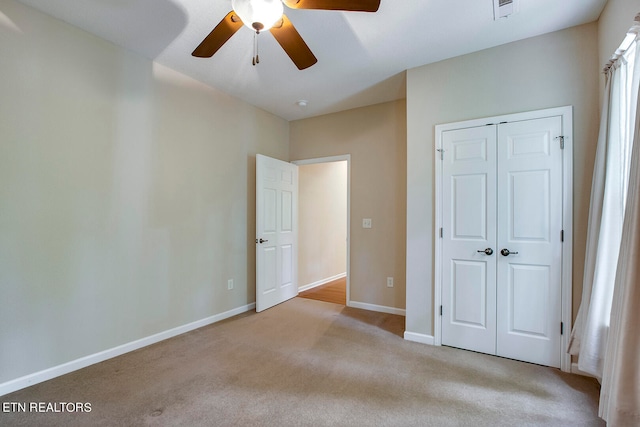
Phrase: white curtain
(608, 194)
(606, 335)
(620, 393)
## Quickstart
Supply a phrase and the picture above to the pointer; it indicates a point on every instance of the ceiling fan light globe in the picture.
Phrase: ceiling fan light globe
(259, 15)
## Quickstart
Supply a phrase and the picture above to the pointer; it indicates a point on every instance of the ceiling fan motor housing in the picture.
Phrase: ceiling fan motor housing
(258, 15)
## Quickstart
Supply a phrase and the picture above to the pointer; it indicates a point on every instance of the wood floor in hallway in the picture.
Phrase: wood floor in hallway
(335, 292)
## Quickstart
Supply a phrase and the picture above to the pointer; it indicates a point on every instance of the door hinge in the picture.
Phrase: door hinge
(561, 138)
(441, 232)
(440, 310)
(562, 235)
(561, 328)
(441, 153)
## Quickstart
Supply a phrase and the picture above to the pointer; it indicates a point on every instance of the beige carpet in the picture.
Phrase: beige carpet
(311, 363)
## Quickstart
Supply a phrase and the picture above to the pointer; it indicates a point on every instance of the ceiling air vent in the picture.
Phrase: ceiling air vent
(504, 8)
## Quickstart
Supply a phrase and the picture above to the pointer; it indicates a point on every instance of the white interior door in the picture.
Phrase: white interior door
(469, 229)
(502, 192)
(276, 231)
(530, 226)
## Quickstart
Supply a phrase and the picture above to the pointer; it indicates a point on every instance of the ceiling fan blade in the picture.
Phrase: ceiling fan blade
(348, 5)
(292, 43)
(218, 36)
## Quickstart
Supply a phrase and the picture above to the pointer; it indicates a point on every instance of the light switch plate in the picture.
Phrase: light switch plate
(366, 222)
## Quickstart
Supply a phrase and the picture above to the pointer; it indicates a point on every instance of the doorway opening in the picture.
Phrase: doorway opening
(323, 238)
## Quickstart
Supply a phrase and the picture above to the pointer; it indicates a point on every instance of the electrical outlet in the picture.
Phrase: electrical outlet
(366, 222)
(389, 282)
(229, 284)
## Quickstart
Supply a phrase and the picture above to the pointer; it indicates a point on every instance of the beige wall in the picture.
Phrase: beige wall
(322, 221)
(375, 137)
(551, 70)
(126, 194)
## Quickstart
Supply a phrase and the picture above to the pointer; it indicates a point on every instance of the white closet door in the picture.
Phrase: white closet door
(469, 227)
(502, 192)
(529, 224)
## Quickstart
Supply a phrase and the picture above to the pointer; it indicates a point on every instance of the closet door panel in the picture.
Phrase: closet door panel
(529, 263)
(469, 212)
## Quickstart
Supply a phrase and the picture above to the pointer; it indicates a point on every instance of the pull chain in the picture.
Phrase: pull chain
(256, 57)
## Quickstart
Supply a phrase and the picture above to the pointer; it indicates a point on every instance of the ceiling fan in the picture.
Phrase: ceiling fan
(267, 15)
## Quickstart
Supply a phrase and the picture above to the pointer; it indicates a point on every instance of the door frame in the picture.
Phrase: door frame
(331, 159)
(566, 114)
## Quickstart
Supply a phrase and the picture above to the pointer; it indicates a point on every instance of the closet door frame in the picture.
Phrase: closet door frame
(566, 115)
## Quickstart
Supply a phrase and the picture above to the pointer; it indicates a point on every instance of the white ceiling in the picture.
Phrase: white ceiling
(361, 56)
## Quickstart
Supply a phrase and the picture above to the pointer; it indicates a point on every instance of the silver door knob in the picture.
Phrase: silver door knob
(507, 252)
(261, 240)
(487, 251)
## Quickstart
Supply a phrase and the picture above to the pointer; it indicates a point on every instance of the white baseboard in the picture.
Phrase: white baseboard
(421, 338)
(380, 308)
(321, 282)
(74, 365)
